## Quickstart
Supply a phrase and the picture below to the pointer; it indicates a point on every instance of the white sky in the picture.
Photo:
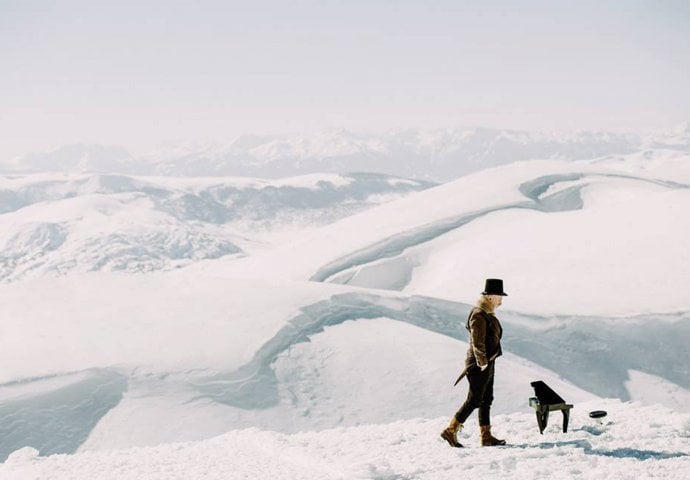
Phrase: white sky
(137, 73)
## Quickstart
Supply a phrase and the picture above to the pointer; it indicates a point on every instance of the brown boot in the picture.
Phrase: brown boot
(487, 439)
(451, 432)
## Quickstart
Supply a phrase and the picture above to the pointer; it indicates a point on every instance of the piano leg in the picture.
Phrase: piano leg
(566, 417)
(542, 419)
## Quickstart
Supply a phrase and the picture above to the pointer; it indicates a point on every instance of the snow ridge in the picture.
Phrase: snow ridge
(369, 267)
(617, 345)
(61, 418)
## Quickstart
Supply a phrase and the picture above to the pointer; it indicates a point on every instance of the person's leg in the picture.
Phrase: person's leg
(487, 398)
(485, 413)
(478, 380)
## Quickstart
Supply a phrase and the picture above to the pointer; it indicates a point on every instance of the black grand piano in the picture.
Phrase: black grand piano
(546, 401)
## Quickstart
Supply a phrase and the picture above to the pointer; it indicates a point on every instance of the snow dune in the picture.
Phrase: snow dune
(201, 350)
(197, 360)
(587, 238)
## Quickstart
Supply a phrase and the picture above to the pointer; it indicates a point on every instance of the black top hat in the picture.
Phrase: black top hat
(494, 286)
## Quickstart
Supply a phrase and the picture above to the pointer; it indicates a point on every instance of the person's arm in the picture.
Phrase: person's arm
(478, 335)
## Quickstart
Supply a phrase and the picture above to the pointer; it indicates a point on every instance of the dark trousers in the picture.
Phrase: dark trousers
(480, 395)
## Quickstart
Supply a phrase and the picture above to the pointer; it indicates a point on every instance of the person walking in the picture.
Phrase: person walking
(484, 347)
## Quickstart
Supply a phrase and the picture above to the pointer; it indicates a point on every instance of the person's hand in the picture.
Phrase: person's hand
(483, 367)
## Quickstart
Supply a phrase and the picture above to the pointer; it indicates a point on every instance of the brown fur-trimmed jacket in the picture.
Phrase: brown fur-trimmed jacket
(485, 336)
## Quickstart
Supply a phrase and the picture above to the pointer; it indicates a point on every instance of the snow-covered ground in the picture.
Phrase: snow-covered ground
(328, 350)
(632, 442)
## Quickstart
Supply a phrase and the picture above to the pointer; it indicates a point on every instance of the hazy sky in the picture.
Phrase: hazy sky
(137, 73)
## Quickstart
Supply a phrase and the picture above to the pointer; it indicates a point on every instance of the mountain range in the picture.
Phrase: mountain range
(435, 155)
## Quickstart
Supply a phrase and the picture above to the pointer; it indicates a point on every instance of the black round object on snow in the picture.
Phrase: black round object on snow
(597, 414)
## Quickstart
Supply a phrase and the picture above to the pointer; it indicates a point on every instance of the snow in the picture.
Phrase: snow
(606, 271)
(14, 391)
(371, 371)
(56, 224)
(355, 373)
(75, 323)
(312, 327)
(623, 447)
(219, 366)
(651, 389)
(175, 360)
(586, 238)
